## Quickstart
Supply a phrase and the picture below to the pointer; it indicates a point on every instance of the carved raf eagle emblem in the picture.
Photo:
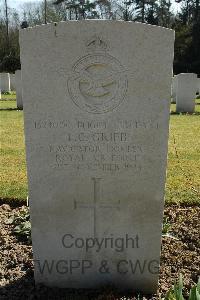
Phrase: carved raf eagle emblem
(98, 83)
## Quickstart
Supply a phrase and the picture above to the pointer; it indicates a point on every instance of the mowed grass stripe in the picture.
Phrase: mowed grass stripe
(183, 172)
(13, 164)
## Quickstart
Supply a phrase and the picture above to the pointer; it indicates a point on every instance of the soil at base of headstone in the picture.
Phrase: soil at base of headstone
(179, 255)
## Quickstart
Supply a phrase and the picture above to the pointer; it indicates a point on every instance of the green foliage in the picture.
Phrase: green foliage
(84, 9)
(176, 292)
(187, 43)
(166, 226)
(156, 12)
(183, 172)
(6, 93)
(22, 225)
(195, 292)
(9, 45)
(10, 63)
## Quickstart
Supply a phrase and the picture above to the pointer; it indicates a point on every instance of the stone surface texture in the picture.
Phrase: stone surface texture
(186, 92)
(18, 83)
(96, 144)
(5, 82)
(174, 88)
(198, 86)
(12, 82)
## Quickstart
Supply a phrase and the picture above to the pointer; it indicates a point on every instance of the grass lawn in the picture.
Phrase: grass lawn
(183, 174)
(13, 165)
(8, 104)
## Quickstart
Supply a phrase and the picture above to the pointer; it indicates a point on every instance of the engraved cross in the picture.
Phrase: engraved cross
(97, 203)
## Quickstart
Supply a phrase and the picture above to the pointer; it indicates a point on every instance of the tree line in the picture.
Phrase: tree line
(186, 24)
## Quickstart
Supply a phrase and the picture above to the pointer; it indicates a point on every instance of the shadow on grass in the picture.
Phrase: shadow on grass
(8, 109)
(197, 113)
(8, 99)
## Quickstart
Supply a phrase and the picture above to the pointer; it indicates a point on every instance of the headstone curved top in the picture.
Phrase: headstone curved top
(96, 125)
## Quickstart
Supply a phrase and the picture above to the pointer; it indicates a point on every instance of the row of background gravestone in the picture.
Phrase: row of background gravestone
(12, 82)
(184, 89)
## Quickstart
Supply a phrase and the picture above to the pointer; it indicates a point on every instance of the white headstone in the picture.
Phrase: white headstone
(96, 143)
(18, 83)
(12, 82)
(5, 82)
(186, 92)
(198, 86)
(174, 88)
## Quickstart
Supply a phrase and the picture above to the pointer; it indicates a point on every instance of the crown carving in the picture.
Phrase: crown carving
(96, 43)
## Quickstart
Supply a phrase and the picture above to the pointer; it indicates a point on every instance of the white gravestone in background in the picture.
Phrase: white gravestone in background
(186, 92)
(174, 88)
(5, 82)
(198, 86)
(18, 83)
(96, 144)
(12, 82)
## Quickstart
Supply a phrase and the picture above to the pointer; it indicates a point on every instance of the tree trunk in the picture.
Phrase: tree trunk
(7, 30)
(45, 11)
(143, 5)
